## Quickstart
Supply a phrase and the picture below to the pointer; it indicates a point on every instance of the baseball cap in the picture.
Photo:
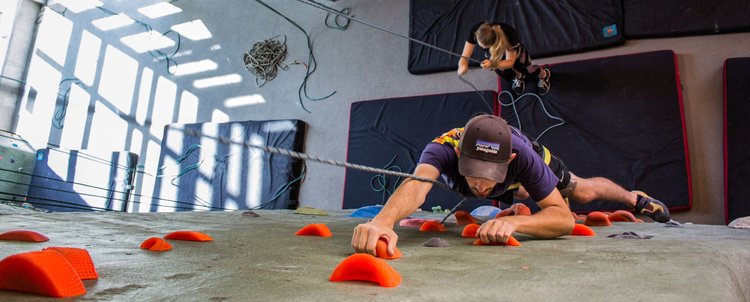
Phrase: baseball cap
(485, 148)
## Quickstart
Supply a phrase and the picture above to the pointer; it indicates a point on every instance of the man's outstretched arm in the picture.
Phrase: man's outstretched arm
(404, 201)
(552, 221)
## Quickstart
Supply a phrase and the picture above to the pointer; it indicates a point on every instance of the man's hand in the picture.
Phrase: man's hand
(463, 66)
(366, 237)
(495, 230)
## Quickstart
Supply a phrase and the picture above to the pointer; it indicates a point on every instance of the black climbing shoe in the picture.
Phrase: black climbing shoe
(651, 207)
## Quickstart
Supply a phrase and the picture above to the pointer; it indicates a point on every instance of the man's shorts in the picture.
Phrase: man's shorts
(557, 166)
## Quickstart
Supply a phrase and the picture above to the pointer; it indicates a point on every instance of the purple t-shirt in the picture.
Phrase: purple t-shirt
(528, 168)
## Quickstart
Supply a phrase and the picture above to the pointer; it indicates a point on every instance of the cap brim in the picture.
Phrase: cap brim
(468, 166)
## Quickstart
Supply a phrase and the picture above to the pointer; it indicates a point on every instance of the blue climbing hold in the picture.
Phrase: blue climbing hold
(367, 211)
(485, 211)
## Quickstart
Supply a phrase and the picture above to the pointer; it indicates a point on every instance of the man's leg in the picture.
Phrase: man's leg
(585, 190)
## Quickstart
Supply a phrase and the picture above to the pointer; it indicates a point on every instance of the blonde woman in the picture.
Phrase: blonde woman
(505, 54)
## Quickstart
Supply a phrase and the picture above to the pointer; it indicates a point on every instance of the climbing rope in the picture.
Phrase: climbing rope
(303, 156)
(311, 65)
(265, 59)
(513, 102)
(379, 183)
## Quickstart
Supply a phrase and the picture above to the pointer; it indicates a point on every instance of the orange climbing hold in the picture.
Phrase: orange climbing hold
(23, 235)
(315, 229)
(464, 218)
(382, 250)
(511, 242)
(432, 226)
(622, 216)
(189, 236)
(597, 218)
(80, 260)
(582, 230)
(45, 272)
(517, 209)
(470, 231)
(156, 244)
(366, 267)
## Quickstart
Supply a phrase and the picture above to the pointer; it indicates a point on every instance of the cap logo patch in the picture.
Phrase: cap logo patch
(487, 147)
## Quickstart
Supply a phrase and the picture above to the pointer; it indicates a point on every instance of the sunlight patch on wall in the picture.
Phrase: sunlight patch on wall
(136, 141)
(117, 82)
(218, 116)
(234, 162)
(245, 100)
(164, 106)
(144, 96)
(113, 22)
(188, 108)
(145, 41)
(88, 58)
(35, 114)
(194, 30)
(78, 6)
(107, 130)
(54, 35)
(218, 81)
(209, 148)
(151, 164)
(159, 10)
(255, 173)
(193, 67)
(75, 118)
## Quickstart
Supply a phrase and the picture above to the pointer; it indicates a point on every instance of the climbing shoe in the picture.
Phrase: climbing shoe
(518, 86)
(651, 207)
(543, 83)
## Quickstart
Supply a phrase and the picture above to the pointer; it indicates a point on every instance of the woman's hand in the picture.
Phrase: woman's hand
(487, 64)
(463, 66)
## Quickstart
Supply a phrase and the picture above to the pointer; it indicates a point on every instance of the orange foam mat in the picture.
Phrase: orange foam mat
(464, 218)
(315, 229)
(622, 216)
(432, 226)
(189, 236)
(366, 267)
(381, 249)
(512, 241)
(582, 230)
(80, 260)
(597, 218)
(470, 231)
(156, 244)
(23, 235)
(45, 272)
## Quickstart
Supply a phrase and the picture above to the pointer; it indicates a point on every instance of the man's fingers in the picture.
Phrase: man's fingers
(495, 235)
(362, 241)
(371, 243)
(392, 245)
(484, 232)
